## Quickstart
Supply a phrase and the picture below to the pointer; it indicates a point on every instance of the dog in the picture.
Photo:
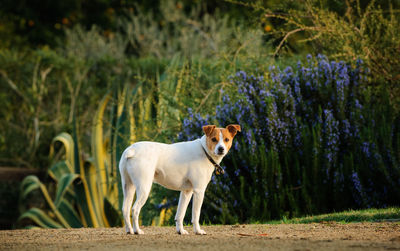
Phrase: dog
(185, 166)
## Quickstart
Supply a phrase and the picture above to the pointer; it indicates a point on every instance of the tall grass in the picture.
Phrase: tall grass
(51, 86)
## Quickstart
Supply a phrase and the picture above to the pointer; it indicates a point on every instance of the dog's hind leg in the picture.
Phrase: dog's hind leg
(142, 193)
(129, 191)
(141, 173)
(184, 200)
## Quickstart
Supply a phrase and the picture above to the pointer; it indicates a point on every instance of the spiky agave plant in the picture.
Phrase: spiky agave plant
(86, 192)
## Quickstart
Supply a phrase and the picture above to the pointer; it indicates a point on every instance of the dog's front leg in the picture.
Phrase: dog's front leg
(198, 197)
(184, 200)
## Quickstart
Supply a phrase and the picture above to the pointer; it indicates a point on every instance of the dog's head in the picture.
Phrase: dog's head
(219, 140)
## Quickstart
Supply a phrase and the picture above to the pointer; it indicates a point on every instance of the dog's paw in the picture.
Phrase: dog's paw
(139, 231)
(200, 232)
(183, 232)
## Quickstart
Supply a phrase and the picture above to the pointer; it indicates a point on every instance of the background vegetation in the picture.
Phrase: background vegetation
(117, 72)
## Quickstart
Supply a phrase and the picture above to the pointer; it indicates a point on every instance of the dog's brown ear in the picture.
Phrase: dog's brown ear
(208, 129)
(233, 129)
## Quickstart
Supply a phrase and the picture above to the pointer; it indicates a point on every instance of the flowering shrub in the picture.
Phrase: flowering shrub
(313, 140)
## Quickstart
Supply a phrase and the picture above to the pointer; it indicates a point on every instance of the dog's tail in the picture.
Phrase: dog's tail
(128, 153)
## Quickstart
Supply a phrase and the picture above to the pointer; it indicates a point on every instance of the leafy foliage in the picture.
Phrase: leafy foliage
(368, 30)
(23, 23)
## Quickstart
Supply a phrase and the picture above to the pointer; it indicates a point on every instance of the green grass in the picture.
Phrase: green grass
(368, 215)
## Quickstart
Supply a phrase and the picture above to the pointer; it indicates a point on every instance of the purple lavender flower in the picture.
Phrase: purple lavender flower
(311, 113)
(357, 186)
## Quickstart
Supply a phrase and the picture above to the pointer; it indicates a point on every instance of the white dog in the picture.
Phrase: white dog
(185, 166)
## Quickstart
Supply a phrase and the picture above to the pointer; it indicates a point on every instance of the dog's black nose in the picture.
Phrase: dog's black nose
(220, 150)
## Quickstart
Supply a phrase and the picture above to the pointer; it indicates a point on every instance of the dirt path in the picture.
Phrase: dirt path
(322, 236)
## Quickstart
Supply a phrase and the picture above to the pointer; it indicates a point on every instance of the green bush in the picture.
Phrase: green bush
(368, 30)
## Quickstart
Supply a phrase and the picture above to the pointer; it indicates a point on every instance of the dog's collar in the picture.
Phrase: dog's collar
(218, 168)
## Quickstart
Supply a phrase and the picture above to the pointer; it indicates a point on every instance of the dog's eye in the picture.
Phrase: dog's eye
(214, 139)
(226, 140)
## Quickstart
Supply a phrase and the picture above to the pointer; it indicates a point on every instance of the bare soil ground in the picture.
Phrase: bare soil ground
(321, 236)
